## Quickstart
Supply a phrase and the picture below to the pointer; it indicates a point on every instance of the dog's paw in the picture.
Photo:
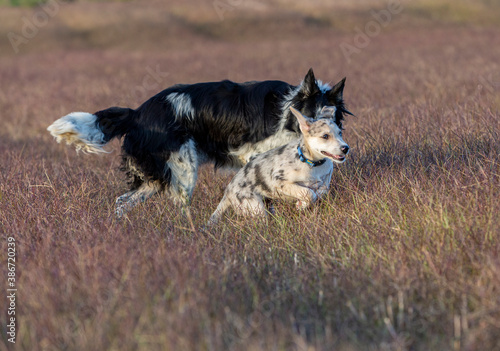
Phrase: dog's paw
(120, 200)
(119, 212)
(302, 204)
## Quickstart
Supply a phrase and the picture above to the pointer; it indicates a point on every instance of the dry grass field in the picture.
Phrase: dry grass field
(403, 254)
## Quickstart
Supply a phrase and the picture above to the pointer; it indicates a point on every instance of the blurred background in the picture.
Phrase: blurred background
(417, 230)
(115, 46)
(198, 40)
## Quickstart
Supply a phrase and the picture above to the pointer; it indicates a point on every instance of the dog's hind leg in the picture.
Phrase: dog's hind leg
(183, 166)
(127, 201)
(224, 204)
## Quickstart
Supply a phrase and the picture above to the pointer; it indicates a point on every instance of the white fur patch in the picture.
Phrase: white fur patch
(81, 130)
(184, 167)
(324, 87)
(181, 103)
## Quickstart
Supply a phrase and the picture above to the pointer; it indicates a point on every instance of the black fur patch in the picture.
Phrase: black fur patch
(280, 175)
(281, 150)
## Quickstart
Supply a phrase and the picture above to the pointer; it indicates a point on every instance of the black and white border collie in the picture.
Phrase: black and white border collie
(169, 136)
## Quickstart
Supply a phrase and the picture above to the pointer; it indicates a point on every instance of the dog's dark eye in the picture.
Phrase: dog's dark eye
(325, 136)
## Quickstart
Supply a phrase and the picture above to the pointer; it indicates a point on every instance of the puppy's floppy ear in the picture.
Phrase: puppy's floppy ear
(336, 94)
(309, 86)
(304, 122)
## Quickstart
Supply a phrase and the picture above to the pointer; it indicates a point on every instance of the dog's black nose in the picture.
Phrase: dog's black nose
(345, 149)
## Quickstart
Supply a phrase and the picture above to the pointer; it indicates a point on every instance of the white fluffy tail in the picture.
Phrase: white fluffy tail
(81, 130)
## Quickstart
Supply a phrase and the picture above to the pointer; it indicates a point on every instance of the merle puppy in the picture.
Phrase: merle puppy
(299, 171)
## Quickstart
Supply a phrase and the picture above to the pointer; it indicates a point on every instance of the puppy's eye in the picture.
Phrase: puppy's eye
(340, 133)
(325, 136)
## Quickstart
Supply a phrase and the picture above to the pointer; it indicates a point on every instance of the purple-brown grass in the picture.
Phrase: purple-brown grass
(403, 254)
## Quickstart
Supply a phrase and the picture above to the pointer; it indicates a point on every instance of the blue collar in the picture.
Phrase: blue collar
(309, 162)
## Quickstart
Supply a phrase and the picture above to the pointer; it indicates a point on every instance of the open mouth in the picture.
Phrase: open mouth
(337, 158)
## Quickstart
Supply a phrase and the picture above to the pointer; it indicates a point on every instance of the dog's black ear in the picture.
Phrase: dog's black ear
(335, 97)
(336, 94)
(309, 85)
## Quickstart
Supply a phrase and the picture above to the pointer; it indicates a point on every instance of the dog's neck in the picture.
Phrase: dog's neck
(305, 154)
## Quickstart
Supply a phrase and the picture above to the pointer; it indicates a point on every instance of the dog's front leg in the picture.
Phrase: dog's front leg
(305, 196)
(183, 166)
(308, 202)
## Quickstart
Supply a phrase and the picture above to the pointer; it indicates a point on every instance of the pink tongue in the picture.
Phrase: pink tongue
(332, 156)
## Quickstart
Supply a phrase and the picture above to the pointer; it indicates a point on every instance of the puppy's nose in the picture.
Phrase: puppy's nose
(345, 149)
